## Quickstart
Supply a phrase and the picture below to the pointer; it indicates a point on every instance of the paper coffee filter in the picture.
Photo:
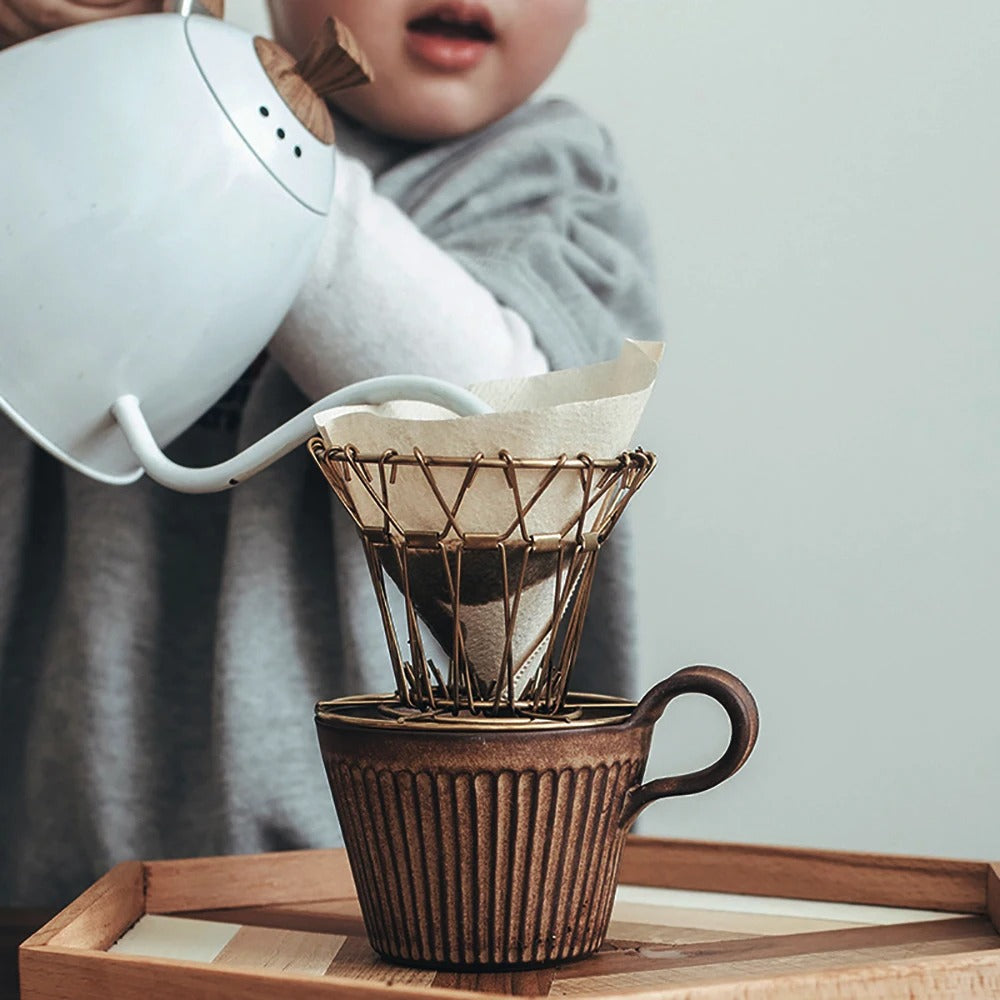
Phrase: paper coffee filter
(592, 411)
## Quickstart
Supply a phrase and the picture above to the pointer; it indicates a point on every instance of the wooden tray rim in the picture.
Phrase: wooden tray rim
(71, 946)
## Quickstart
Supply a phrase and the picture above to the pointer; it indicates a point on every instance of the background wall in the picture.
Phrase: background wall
(821, 180)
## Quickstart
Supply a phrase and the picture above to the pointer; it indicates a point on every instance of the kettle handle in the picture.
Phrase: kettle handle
(730, 692)
(215, 478)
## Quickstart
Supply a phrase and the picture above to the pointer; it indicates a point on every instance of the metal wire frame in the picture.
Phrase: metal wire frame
(455, 558)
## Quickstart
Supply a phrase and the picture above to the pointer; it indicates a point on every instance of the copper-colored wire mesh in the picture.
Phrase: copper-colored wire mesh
(506, 606)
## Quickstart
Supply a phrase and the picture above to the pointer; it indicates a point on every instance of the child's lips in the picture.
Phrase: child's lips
(451, 36)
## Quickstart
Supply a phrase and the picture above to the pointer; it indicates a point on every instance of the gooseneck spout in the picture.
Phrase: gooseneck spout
(127, 410)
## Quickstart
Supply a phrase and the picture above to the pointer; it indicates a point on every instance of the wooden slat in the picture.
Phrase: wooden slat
(100, 915)
(641, 980)
(265, 948)
(329, 916)
(89, 975)
(956, 936)
(527, 983)
(356, 960)
(246, 880)
(157, 936)
(961, 976)
(628, 934)
(734, 921)
(833, 876)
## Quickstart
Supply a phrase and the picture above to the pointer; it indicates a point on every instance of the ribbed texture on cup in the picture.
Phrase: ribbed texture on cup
(487, 869)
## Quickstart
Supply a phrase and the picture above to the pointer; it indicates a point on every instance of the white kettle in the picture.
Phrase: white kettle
(164, 185)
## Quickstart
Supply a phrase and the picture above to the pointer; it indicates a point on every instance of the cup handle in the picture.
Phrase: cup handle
(741, 708)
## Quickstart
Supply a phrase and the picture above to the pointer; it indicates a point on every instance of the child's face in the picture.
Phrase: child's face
(442, 67)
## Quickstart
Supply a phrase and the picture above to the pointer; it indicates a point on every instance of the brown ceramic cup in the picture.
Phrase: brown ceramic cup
(496, 845)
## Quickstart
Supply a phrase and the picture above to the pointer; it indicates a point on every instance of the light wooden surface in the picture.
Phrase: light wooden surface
(290, 926)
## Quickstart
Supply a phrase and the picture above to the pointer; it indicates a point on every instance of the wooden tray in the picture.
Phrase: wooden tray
(288, 925)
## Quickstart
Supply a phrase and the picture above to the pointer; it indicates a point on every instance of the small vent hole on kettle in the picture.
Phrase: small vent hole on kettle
(281, 133)
(264, 112)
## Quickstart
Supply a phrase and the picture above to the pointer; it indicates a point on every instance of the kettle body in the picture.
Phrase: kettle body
(159, 209)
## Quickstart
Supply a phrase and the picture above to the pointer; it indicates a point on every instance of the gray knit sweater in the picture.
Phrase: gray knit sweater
(160, 654)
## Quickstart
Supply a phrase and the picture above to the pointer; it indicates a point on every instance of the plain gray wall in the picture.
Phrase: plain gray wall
(822, 184)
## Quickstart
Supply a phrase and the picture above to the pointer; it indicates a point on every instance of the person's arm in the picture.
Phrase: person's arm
(24, 19)
(545, 217)
(383, 298)
(514, 250)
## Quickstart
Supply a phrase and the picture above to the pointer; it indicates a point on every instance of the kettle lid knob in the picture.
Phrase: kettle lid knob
(333, 62)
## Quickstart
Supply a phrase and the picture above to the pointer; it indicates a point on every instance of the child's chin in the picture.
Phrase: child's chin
(425, 121)
(437, 131)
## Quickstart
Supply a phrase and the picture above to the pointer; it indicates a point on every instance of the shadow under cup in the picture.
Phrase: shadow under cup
(480, 847)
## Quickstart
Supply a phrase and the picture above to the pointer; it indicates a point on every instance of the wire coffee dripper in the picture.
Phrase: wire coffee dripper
(507, 607)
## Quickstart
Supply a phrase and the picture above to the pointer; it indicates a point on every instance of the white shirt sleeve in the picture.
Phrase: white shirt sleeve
(382, 298)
